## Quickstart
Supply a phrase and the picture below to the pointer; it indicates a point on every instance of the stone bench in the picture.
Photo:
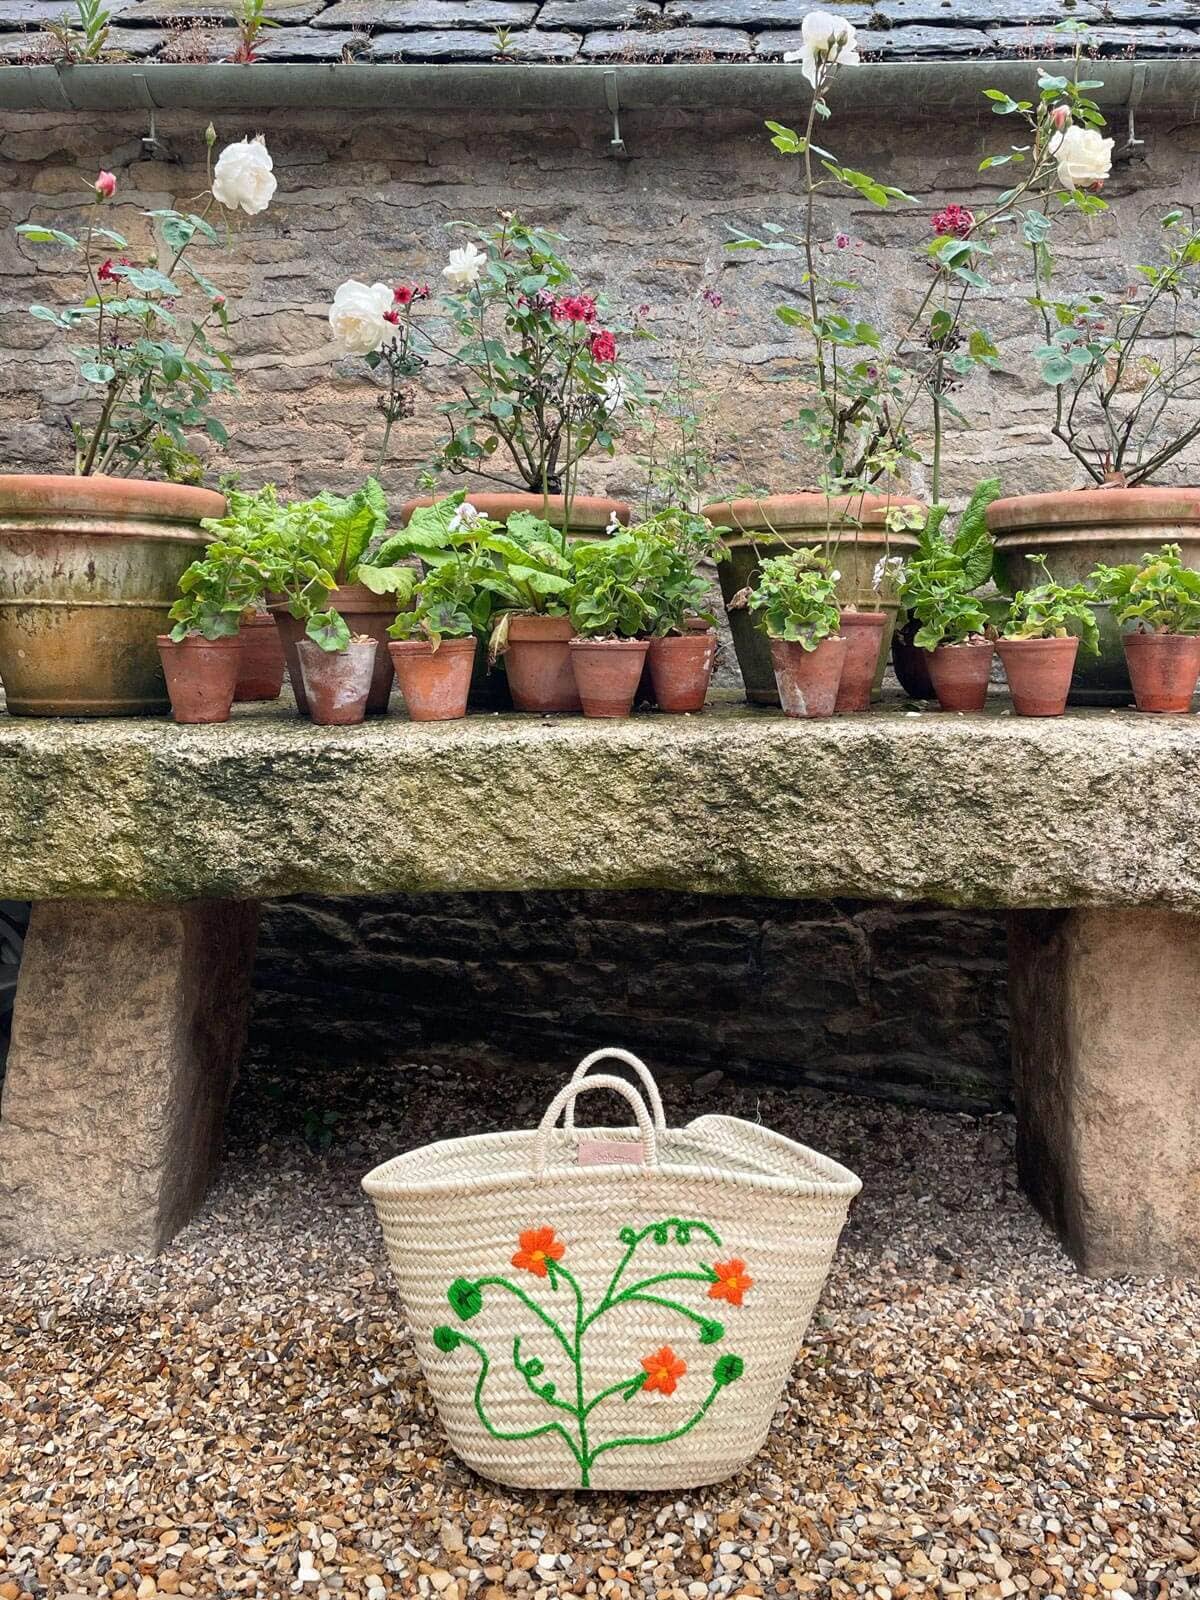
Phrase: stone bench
(146, 848)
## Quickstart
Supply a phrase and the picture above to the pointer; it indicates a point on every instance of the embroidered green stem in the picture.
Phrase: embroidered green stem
(657, 1438)
(523, 1433)
(528, 1300)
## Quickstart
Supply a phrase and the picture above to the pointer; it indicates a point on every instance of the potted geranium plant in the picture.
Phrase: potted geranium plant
(683, 638)
(433, 639)
(530, 583)
(794, 600)
(954, 624)
(1157, 599)
(611, 614)
(144, 330)
(1038, 646)
(541, 377)
(201, 656)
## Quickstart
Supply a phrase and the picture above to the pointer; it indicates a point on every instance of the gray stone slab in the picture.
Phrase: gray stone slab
(309, 44)
(124, 44)
(29, 13)
(981, 13)
(584, 14)
(466, 44)
(897, 44)
(671, 44)
(432, 16)
(143, 11)
(1182, 12)
(1104, 41)
(755, 13)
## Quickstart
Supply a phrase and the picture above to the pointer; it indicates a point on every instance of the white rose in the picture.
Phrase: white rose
(825, 38)
(356, 316)
(244, 177)
(464, 266)
(1084, 157)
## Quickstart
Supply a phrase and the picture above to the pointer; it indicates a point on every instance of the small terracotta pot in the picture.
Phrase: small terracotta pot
(201, 675)
(808, 680)
(337, 683)
(1039, 674)
(261, 673)
(364, 613)
(1163, 668)
(607, 673)
(538, 663)
(681, 668)
(863, 631)
(910, 664)
(434, 683)
(960, 674)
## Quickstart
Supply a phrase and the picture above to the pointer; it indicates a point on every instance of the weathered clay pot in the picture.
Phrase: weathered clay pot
(1163, 668)
(590, 514)
(1039, 674)
(364, 613)
(607, 673)
(261, 674)
(1075, 529)
(852, 528)
(808, 680)
(434, 683)
(538, 663)
(681, 669)
(910, 664)
(89, 568)
(201, 676)
(960, 674)
(863, 632)
(337, 683)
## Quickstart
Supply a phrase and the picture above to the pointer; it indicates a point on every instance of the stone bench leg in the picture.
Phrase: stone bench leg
(1106, 1062)
(127, 1033)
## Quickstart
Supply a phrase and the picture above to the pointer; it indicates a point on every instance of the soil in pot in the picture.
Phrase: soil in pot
(855, 531)
(89, 569)
(201, 676)
(808, 680)
(366, 614)
(435, 683)
(261, 674)
(911, 664)
(538, 663)
(337, 683)
(863, 632)
(960, 674)
(681, 669)
(1039, 674)
(607, 673)
(1163, 668)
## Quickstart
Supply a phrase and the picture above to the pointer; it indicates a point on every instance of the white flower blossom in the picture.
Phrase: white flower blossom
(616, 394)
(1084, 157)
(826, 40)
(356, 316)
(467, 516)
(614, 524)
(243, 177)
(835, 575)
(464, 266)
(888, 568)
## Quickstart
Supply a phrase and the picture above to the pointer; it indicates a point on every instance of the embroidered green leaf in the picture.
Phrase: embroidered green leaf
(466, 1298)
(446, 1339)
(728, 1370)
(711, 1332)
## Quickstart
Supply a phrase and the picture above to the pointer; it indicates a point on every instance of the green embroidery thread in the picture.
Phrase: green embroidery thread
(540, 1254)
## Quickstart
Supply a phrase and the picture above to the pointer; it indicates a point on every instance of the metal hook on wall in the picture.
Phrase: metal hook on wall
(152, 145)
(616, 146)
(1137, 88)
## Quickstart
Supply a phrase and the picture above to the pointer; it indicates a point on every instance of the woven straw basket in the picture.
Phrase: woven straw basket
(610, 1309)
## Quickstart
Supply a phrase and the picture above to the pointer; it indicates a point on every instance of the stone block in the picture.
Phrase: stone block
(935, 44)
(755, 13)
(143, 11)
(1106, 1066)
(981, 13)
(309, 44)
(427, 15)
(671, 44)
(598, 13)
(127, 1032)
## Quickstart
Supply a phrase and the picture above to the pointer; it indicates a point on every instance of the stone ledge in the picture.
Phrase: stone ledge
(986, 811)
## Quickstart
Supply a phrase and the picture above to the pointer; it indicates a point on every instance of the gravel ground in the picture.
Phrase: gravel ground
(245, 1416)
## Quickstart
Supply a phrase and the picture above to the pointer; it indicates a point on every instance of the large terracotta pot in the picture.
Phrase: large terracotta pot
(852, 528)
(1077, 528)
(363, 613)
(89, 568)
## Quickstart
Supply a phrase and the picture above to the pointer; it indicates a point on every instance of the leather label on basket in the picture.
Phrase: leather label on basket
(611, 1152)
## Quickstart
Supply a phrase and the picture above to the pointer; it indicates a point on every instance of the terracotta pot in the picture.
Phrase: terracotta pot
(960, 674)
(863, 632)
(261, 674)
(1039, 674)
(590, 514)
(910, 664)
(89, 569)
(434, 683)
(337, 683)
(365, 614)
(201, 676)
(681, 669)
(607, 673)
(854, 529)
(538, 662)
(1163, 668)
(808, 680)
(1077, 528)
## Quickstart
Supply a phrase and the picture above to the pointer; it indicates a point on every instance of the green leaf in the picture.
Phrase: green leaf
(37, 234)
(728, 1370)
(466, 1298)
(97, 372)
(329, 630)
(447, 1340)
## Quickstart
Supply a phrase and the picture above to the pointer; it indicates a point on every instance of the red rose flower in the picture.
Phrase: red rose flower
(393, 317)
(603, 346)
(954, 221)
(575, 308)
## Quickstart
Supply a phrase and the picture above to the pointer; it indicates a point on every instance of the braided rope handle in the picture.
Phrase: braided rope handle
(566, 1097)
(636, 1065)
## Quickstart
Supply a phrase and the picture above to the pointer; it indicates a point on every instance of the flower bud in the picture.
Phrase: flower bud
(1061, 117)
(210, 136)
(105, 185)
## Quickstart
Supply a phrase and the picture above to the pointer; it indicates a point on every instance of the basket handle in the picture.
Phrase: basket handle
(636, 1065)
(566, 1097)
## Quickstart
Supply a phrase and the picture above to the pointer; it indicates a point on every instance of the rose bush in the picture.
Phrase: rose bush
(244, 179)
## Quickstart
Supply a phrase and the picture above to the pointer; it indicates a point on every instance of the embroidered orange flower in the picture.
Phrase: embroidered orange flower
(538, 1245)
(663, 1371)
(732, 1281)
